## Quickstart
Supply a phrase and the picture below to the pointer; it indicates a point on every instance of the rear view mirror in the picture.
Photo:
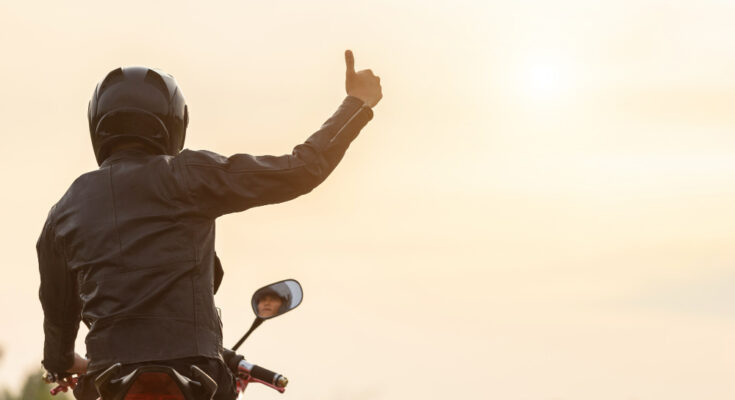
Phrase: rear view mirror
(277, 298)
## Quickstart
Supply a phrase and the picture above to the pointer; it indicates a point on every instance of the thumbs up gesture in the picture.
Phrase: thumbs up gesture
(362, 84)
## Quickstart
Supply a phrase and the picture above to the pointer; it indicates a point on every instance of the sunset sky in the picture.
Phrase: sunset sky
(543, 206)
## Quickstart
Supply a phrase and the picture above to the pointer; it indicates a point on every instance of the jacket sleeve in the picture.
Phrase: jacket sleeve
(60, 301)
(220, 185)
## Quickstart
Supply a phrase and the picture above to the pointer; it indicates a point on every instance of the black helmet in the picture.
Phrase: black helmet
(280, 292)
(137, 104)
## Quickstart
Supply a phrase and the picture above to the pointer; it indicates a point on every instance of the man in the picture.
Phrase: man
(129, 248)
(270, 303)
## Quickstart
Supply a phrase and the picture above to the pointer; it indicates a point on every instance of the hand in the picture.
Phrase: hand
(79, 366)
(363, 84)
(63, 381)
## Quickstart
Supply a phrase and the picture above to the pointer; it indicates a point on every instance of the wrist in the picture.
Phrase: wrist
(79, 366)
(366, 100)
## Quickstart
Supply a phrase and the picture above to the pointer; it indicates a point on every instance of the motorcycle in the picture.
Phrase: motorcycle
(157, 382)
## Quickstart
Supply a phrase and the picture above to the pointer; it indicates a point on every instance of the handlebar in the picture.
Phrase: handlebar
(249, 372)
(263, 374)
(244, 371)
(63, 381)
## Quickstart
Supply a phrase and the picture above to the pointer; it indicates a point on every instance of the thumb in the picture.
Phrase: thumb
(350, 61)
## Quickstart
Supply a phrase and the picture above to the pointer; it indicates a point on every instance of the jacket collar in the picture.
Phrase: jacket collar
(123, 154)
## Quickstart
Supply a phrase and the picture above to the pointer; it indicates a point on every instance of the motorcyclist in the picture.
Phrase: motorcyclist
(129, 248)
(270, 302)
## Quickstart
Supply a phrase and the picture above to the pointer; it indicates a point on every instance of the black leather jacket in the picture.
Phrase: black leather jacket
(129, 249)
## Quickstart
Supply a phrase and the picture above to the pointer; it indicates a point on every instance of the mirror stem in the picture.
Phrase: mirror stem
(255, 324)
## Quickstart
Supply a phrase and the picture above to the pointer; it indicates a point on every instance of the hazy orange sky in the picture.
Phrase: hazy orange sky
(542, 208)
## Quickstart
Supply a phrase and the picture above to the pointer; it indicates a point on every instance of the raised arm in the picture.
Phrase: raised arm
(221, 185)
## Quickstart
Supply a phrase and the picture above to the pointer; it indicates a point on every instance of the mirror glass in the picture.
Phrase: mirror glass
(277, 298)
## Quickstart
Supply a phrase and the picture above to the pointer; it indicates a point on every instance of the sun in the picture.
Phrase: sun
(546, 78)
